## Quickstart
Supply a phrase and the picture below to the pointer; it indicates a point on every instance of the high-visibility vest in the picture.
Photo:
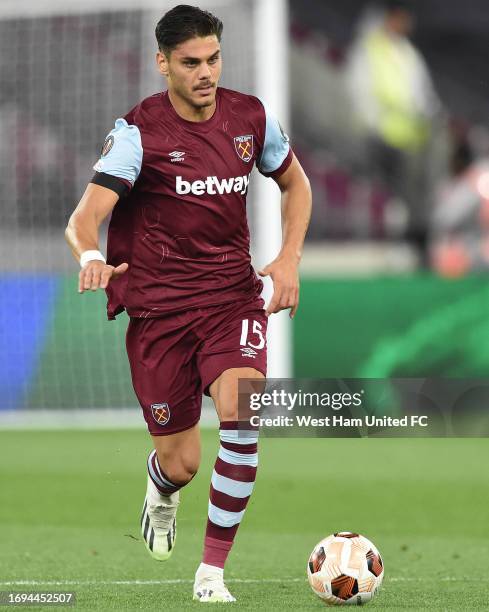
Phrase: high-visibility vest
(392, 65)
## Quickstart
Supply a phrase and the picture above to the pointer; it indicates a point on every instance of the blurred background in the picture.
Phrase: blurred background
(386, 106)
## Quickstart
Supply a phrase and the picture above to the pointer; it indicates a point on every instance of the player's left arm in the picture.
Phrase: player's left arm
(296, 213)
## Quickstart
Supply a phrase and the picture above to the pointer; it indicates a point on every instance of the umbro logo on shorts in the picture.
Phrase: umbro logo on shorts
(161, 413)
(212, 185)
(248, 352)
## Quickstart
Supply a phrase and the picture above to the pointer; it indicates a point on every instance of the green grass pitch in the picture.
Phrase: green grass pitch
(71, 503)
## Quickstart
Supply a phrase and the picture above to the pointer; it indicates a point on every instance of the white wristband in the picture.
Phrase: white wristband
(87, 256)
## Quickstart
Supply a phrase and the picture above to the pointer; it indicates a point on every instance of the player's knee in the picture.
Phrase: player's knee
(229, 413)
(224, 390)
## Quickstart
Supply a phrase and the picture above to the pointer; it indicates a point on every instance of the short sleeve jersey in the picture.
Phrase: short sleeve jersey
(180, 222)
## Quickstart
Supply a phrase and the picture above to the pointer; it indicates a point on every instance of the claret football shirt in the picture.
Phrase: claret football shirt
(180, 222)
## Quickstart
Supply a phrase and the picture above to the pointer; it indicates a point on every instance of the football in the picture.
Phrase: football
(345, 568)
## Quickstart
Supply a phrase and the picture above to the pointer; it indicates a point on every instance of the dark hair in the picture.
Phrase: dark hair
(183, 23)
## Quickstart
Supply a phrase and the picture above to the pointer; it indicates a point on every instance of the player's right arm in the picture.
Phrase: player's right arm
(116, 171)
(82, 235)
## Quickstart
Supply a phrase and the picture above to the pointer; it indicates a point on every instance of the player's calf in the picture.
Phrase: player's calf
(232, 483)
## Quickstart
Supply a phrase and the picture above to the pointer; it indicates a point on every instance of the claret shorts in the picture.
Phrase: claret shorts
(175, 358)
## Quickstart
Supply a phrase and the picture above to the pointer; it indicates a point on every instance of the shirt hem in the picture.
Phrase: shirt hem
(158, 313)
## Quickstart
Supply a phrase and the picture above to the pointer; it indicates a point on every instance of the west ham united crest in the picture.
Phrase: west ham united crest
(161, 413)
(244, 147)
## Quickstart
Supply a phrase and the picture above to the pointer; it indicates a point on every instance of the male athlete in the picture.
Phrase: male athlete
(175, 172)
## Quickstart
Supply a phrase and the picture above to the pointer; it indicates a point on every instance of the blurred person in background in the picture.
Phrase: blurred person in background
(459, 240)
(395, 104)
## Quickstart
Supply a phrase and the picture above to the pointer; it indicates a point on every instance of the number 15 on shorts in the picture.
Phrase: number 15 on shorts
(253, 338)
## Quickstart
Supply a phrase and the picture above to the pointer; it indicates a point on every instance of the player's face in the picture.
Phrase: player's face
(193, 70)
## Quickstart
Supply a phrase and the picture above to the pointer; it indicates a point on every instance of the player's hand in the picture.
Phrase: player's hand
(97, 275)
(284, 273)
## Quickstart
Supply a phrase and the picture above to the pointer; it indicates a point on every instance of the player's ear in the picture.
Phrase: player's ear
(162, 63)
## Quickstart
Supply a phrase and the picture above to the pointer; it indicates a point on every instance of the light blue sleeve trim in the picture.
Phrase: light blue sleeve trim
(125, 157)
(276, 146)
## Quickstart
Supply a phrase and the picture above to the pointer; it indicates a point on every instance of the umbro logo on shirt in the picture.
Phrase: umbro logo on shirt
(212, 185)
(177, 156)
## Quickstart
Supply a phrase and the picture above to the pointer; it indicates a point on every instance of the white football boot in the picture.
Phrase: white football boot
(158, 522)
(209, 585)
